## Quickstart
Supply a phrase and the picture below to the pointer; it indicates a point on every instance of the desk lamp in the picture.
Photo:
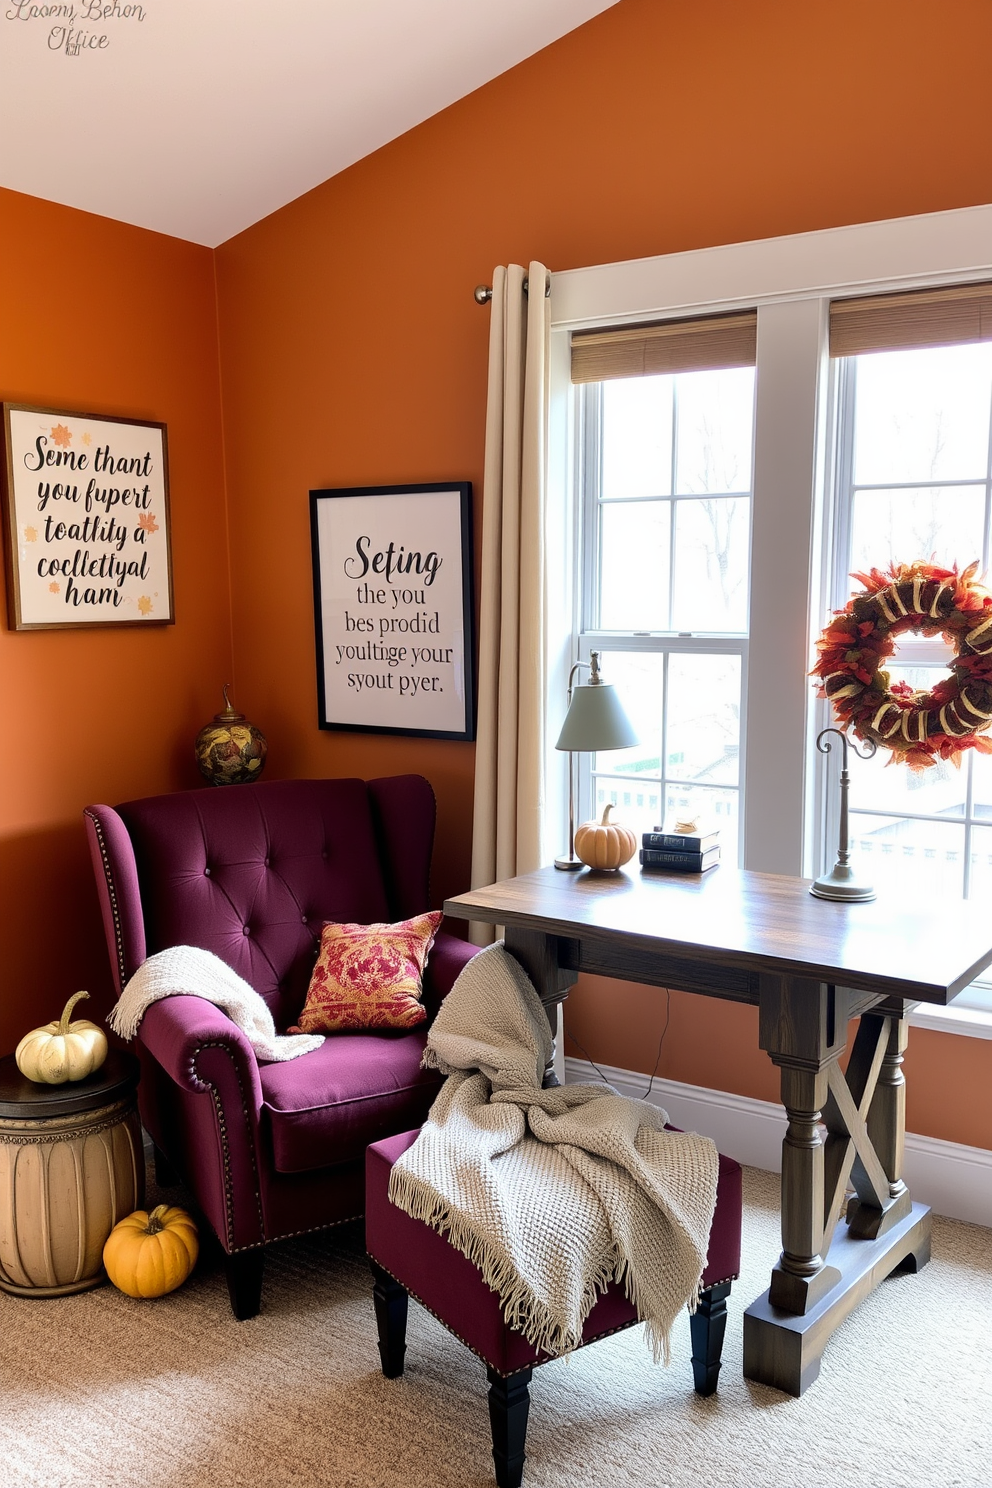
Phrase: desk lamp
(595, 720)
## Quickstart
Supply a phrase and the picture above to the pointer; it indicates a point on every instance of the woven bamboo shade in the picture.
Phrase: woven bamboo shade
(926, 317)
(698, 345)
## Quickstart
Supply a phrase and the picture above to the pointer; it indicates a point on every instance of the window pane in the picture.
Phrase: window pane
(715, 417)
(918, 858)
(637, 437)
(923, 415)
(981, 869)
(711, 564)
(981, 767)
(937, 791)
(704, 696)
(901, 526)
(639, 678)
(638, 805)
(637, 802)
(634, 565)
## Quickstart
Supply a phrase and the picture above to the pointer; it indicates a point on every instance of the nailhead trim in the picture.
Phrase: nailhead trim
(621, 1327)
(225, 1147)
(112, 893)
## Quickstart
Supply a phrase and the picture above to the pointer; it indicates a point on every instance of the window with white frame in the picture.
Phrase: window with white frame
(914, 481)
(665, 463)
(722, 508)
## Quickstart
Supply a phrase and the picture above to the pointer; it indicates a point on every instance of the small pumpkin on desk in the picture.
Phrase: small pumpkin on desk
(62, 1050)
(148, 1255)
(605, 844)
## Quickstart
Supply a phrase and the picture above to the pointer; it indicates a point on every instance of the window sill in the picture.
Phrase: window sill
(970, 1021)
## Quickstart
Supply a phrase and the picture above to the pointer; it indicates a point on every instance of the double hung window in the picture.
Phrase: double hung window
(915, 481)
(731, 469)
(665, 420)
(913, 376)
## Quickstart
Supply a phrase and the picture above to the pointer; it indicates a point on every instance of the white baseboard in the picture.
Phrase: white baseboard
(953, 1179)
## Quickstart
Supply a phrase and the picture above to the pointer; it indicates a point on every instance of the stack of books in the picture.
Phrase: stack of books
(678, 852)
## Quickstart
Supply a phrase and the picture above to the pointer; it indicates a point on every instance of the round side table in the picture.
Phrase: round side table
(71, 1166)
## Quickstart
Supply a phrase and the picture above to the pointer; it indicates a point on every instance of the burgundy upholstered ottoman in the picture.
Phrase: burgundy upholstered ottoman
(408, 1258)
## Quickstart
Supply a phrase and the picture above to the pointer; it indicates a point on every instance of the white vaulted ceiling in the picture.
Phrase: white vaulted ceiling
(198, 117)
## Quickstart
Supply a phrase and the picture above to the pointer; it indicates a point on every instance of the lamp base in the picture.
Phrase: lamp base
(842, 883)
(569, 865)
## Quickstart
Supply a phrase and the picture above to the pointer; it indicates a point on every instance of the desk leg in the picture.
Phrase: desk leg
(818, 1279)
(538, 955)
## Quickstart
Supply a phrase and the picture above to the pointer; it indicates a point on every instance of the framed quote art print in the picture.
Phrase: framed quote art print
(392, 586)
(86, 520)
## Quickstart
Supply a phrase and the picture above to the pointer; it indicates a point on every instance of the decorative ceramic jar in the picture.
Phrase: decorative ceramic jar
(230, 750)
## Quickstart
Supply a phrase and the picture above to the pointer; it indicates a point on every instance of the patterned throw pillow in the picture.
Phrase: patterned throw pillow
(369, 976)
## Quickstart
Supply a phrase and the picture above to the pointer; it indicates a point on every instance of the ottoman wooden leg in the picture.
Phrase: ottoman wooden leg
(707, 1326)
(509, 1402)
(390, 1314)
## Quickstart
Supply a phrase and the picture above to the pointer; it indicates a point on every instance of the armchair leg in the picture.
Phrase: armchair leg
(509, 1403)
(390, 1315)
(707, 1326)
(244, 1282)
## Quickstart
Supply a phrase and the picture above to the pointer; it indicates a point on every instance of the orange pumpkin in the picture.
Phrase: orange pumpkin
(148, 1255)
(605, 844)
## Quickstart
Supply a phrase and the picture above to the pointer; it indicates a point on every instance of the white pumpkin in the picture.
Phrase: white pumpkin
(62, 1050)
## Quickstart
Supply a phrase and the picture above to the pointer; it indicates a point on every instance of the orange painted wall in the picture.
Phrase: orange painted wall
(99, 317)
(715, 1044)
(353, 351)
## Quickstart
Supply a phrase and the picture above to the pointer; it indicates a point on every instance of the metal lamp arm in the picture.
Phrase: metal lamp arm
(592, 665)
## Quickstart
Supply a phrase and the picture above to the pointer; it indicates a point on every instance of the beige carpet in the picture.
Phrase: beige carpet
(102, 1391)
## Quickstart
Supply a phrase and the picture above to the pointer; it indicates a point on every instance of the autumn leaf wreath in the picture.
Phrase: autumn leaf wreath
(917, 727)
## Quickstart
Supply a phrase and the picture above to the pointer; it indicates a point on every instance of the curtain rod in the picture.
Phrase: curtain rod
(483, 292)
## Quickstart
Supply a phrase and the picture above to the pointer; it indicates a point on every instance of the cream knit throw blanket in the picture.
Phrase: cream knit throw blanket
(554, 1193)
(188, 971)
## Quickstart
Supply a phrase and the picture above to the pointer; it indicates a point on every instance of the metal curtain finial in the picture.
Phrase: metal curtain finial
(842, 882)
(483, 292)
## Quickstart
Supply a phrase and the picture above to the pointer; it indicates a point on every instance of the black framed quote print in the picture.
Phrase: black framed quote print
(86, 520)
(392, 585)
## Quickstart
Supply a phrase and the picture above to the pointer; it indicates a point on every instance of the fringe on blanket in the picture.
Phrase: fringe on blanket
(521, 1310)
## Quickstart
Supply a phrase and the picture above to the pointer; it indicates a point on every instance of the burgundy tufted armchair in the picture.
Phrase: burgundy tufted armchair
(251, 873)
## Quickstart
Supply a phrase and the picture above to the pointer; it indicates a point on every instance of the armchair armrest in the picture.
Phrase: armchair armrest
(206, 1055)
(178, 1031)
(447, 958)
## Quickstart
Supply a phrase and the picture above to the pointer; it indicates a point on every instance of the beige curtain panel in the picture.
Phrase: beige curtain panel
(508, 825)
(921, 317)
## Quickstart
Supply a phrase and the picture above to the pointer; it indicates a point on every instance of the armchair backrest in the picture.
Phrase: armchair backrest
(252, 872)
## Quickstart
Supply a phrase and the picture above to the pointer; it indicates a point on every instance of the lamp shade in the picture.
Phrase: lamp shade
(596, 720)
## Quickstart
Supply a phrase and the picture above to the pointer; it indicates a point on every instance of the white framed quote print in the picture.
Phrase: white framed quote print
(86, 520)
(392, 581)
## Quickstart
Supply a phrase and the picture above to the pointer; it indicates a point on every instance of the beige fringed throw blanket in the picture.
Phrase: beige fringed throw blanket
(554, 1193)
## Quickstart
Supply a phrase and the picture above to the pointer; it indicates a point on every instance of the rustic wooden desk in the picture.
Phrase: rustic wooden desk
(809, 966)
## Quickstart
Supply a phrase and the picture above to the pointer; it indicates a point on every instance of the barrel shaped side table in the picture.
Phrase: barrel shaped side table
(71, 1166)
